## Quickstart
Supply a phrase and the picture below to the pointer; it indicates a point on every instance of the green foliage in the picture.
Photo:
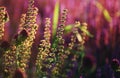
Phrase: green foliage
(104, 11)
(55, 18)
(68, 28)
(83, 29)
(107, 15)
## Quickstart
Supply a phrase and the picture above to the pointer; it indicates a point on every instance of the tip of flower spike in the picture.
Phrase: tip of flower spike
(6, 16)
(19, 74)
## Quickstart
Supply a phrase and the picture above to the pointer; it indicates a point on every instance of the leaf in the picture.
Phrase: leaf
(105, 12)
(68, 28)
(85, 31)
(55, 18)
(106, 15)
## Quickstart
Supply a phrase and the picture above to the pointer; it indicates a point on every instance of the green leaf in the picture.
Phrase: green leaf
(85, 31)
(55, 18)
(105, 12)
(106, 15)
(68, 28)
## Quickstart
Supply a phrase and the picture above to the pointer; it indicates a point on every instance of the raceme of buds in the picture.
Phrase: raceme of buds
(9, 58)
(52, 58)
(3, 18)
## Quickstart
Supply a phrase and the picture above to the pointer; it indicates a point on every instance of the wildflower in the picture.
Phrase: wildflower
(9, 59)
(43, 60)
(27, 35)
(3, 18)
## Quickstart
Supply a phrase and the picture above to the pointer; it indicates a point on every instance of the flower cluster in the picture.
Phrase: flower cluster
(44, 50)
(28, 29)
(55, 59)
(17, 56)
(60, 53)
(3, 19)
(9, 61)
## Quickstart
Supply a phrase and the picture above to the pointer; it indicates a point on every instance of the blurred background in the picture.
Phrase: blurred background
(102, 17)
